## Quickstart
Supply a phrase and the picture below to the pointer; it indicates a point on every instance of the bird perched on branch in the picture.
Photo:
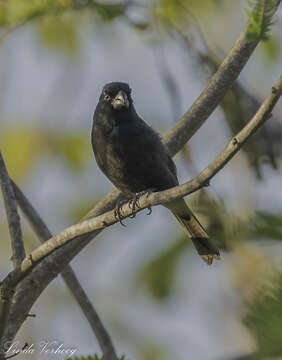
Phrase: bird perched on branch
(132, 155)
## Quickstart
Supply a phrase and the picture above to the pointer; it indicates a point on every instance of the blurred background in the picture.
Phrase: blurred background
(155, 296)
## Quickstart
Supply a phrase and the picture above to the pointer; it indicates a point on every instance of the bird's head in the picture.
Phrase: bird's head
(116, 95)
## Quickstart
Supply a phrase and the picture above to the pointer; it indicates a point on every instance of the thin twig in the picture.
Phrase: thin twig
(70, 278)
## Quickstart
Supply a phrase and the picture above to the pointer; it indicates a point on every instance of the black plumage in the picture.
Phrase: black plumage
(132, 155)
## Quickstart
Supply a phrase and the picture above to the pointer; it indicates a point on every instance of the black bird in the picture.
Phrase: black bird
(132, 155)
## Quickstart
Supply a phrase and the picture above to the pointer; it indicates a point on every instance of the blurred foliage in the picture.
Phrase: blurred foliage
(228, 230)
(251, 266)
(19, 11)
(16, 12)
(22, 147)
(168, 11)
(149, 351)
(261, 18)
(108, 11)
(268, 226)
(73, 147)
(158, 275)
(78, 209)
(60, 32)
(264, 318)
(271, 49)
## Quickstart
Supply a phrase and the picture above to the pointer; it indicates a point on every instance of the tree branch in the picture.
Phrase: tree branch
(69, 277)
(12, 215)
(18, 252)
(221, 81)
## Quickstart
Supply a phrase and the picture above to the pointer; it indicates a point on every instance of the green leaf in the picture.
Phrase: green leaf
(260, 18)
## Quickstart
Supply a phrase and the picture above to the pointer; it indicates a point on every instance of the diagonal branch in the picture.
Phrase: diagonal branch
(204, 105)
(162, 197)
(18, 252)
(12, 215)
(70, 278)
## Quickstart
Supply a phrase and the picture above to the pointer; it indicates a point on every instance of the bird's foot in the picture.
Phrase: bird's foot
(134, 202)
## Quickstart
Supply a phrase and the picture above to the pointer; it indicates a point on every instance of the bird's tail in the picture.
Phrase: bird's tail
(197, 233)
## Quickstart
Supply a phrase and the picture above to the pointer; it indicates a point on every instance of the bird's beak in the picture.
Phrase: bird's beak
(120, 101)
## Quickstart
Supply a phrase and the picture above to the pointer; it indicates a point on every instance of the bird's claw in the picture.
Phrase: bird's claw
(118, 214)
(133, 205)
(134, 202)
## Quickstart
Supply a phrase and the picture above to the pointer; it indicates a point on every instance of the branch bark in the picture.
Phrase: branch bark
(70, 278)
(49, 268)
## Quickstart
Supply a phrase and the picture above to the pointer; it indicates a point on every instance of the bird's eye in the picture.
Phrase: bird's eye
(107, 97)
